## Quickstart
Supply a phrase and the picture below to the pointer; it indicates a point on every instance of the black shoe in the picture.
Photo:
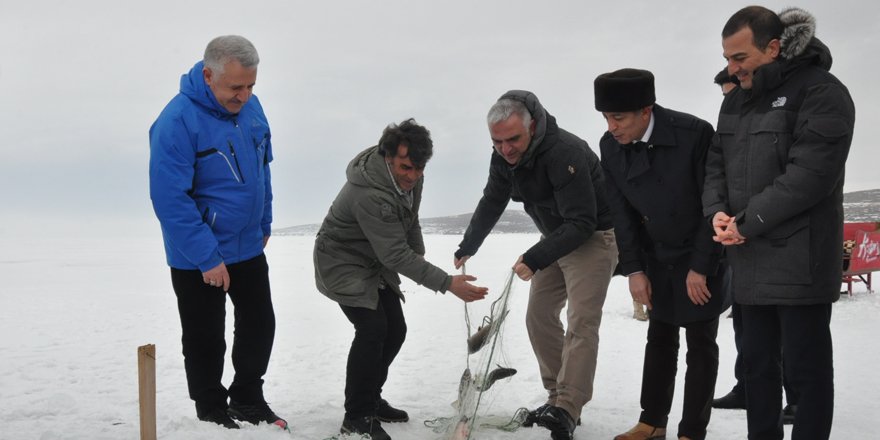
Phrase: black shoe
(733, 400)
(558, 421)
(788, 414)
(255, 413)
(367, 425)
(390, 414)
(217, 415)
(533, 415)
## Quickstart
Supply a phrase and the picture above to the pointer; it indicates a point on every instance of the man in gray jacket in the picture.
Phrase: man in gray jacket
(370, 235)
(558, 179)
(774, 192)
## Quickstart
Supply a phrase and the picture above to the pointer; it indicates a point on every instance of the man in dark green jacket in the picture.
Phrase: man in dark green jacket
(369, 236)
(774, 192)
(557, 177)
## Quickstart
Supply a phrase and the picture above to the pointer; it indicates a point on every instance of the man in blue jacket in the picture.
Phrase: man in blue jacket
(210, 185)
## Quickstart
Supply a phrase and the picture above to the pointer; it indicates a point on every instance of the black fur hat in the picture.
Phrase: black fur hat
(624, 90)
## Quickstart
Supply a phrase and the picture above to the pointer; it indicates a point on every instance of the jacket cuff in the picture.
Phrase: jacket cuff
(213, 261)
(446, 283)
(629, 268)
(531, 262)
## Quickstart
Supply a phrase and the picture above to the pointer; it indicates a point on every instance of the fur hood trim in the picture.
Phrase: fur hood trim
(800, 27)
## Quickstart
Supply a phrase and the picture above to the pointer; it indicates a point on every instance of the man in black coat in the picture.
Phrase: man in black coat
(654, 162)
(558, 179)
(774, 192)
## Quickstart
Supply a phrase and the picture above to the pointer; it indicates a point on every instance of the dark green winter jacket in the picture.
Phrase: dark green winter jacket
(371, 232)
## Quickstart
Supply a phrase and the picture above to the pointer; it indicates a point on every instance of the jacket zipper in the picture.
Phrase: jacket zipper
(232, 150)
(230, 165)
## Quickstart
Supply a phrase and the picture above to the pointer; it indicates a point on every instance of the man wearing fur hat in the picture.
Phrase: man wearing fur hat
(558, 179)
(654, 164)
(774, 193)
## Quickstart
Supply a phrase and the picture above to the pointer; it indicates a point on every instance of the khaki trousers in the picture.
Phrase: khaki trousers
(567, 356)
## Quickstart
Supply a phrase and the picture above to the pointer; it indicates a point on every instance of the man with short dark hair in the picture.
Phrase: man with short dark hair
(654, 161)
(557, 177)
(774, 194)
(209, 182)
(370, 236)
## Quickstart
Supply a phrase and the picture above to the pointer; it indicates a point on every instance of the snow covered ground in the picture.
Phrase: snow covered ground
(75, 309)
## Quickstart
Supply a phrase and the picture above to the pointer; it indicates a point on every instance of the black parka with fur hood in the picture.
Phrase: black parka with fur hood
(777, 163)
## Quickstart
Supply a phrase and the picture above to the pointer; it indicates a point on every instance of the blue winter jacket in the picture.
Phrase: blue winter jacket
(209, 177)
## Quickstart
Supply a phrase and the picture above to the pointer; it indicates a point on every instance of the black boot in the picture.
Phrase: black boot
(366, 425)
(733, 400)
(559, 422)
(389, 414)
(255, 413)
(534, 414)
(215, 414)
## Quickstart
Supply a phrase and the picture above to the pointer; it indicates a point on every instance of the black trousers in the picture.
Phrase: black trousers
(661, 365)
(378, 336)
(799, 337)
(791, 396)
(203, 317)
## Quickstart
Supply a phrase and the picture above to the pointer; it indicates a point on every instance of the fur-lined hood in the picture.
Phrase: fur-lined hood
(800, 28)
(799, 48)
(798, 41)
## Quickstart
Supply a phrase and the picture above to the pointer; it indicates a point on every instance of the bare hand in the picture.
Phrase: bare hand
(697, 290)
(460, 261)
(465, 290)
(217, 277)
(640, 289)
(726, 231)
(521, 270)
(265, 241)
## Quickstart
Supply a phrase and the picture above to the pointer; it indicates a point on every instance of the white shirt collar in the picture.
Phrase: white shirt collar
(649, 131)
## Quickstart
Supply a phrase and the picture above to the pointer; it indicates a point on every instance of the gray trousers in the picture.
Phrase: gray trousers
(567, 355)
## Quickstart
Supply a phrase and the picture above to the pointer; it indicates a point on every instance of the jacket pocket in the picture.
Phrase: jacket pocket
(828, 127)
(770, 138)
(209, 217)
(338, 271)
(213, 165)
(783, 254)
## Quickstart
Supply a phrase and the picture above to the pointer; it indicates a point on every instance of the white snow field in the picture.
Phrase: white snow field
(75, 309)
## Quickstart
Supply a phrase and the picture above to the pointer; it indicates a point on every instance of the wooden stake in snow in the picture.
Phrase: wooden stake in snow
(147, 390)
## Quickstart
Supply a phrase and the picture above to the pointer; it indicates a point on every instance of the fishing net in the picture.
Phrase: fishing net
(486, 365)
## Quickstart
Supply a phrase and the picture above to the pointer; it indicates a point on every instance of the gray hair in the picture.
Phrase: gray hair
(226, 48)
(505, 108)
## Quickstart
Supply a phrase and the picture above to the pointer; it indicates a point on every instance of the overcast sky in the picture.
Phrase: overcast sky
(82, 82)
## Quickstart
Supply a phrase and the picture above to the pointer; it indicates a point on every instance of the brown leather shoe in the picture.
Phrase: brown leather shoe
(643, 431)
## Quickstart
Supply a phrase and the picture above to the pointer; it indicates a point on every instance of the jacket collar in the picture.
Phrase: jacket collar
(663, 134)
